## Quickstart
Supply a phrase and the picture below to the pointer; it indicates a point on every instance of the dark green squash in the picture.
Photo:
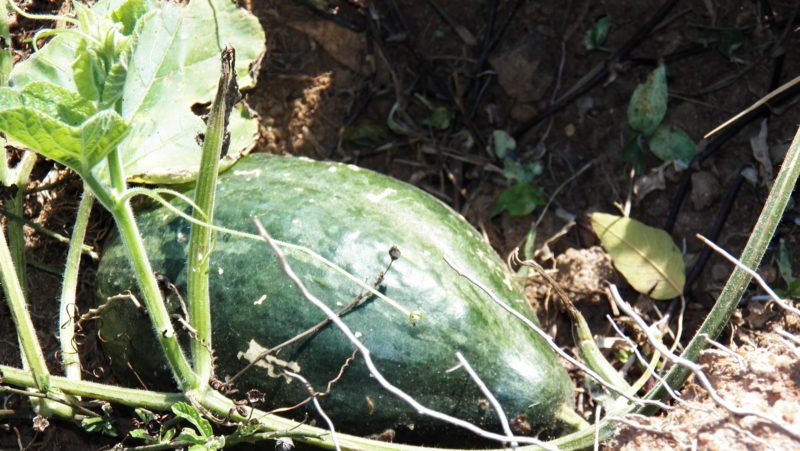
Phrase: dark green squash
(353, 217)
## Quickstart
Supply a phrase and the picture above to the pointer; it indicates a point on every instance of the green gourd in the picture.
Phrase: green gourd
(353, 217)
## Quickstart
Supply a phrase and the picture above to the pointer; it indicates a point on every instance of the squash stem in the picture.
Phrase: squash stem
(756, 246)
(201, 237)
(26, 333)
(15, 283)
(119, 207)
(6, 57)
(67, 311)
(120, 395)
(152, 296)
(16, 205)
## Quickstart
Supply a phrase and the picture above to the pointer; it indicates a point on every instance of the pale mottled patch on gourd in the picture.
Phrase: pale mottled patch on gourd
(252, 172)
(377, 197)
(270, 363)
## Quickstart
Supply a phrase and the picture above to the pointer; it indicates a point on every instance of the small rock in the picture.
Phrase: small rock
(705, 190)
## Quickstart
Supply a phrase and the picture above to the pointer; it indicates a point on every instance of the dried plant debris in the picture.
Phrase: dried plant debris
(762, 375)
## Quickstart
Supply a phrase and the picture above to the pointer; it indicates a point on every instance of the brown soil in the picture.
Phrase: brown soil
(327, 91)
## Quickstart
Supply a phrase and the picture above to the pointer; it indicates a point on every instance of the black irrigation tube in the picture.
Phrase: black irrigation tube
(674, 56)
(714, 144)
(715, 231)
(602, 71)
(491, 38)
(733, 128)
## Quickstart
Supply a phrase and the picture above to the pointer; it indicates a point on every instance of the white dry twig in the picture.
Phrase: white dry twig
(317, 406)
(598, 410)
(672, 393)
(725, 350)
(365, 352)
(550, 342)
(697, 370)
(790, 341)
(761, 282)
(489, 396)
(780, 331)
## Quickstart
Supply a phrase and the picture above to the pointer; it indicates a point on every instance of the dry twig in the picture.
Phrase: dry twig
(698, 372)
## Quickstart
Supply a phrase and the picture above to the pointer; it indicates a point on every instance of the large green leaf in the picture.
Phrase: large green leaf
(647, 257)
(649, 102)
(172, 65)
(56, 102)
(60, 125)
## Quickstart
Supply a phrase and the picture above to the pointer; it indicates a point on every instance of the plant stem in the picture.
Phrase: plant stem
(116, 173)
(120, 395)
(152, 296)
(6, 58)
(757, 244)
(32, 351)
(16, 235)
(137, 255)
(201, 237)
(67, 310)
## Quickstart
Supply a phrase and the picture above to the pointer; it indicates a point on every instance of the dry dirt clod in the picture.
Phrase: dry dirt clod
(584, 272)
(522, 71)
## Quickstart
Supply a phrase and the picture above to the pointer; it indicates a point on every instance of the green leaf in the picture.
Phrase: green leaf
(98, 424)
(191, 436)
(54, 130)
(672, 144)
(633, 153)
(503, 143)
(528, 250)
(100, 135)
(54, 101)
(87, 74)
(141, 434)
(172, 64)
(596, 36)
(129, 13)
(649, 102)
(144, 414)
(166, 436)
(520, 199)
(190, 414)
(521, 172)
(439, 119)
(647, 257)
